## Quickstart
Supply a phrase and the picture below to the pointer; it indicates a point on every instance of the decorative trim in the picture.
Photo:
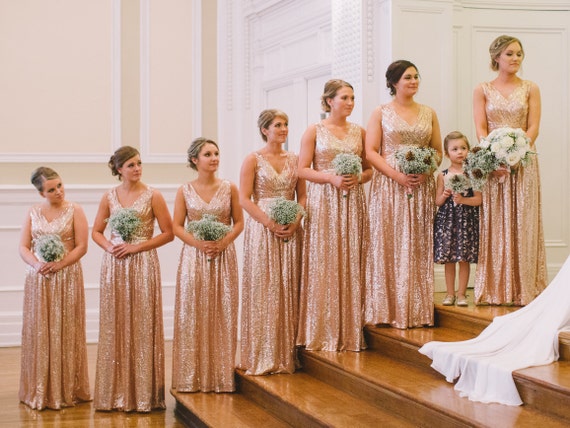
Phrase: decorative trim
(229, 50)
(370, 57)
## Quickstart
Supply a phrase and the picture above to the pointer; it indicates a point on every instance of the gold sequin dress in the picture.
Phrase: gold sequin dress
(399, 272)
(512, 256)
(54, 353)
(206, 306)
(334, 249)
(130, 355)
(270, 280)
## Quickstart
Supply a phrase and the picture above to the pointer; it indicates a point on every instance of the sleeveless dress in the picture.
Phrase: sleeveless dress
(334, 249)
(206, 306)
(456, 231)
(54, 326)
(130, 354)
(271, 274)
(512, 256)
(399, 270)
(483, 366)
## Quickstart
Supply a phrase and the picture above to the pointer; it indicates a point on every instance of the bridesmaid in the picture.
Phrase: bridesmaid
(54, 302)
(272, 253)
(206, 308)
(399, 272)
(512, 255)
(336, 229)
(130, 355)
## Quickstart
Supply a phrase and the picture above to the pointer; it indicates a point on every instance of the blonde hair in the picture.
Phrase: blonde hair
(498, 46)
(266, 117)
(41, 174)
(195, 148)
(331, 88)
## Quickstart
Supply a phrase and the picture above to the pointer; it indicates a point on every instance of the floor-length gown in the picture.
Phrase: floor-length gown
(206, 306)
(334, 249)
(483, 366)
(399, 270)
(512, 257)
(270, 281)
(54, 351)
(130, 354)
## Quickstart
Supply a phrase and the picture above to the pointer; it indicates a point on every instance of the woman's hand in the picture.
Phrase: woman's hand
(344, 182)
(122, 250)
(447, 193)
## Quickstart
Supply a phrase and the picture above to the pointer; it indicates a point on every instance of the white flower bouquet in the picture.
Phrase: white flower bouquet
(208, 228)
(511, 146)
(125, 222)
(480, 162)
(458, 183)
(416, 160)
(284, 211)
(50, 247)
(347, 163)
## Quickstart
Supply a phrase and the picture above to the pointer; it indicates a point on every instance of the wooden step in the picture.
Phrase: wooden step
(200, 410)
(303, 401)
(421, 396)
(546, 388)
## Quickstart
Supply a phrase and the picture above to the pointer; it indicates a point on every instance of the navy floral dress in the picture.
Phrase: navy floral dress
(456, 232)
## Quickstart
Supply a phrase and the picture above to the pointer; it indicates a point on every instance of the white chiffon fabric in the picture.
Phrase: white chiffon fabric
(483, 366)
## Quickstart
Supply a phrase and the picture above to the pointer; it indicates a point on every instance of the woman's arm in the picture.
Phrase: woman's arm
(100, 224)
(479, 114)
(534, 112)
(306, 154)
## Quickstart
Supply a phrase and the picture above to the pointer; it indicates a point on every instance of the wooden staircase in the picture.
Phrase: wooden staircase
(389, 385)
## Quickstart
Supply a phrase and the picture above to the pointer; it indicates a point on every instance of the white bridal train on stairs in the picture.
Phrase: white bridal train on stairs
(483, 366)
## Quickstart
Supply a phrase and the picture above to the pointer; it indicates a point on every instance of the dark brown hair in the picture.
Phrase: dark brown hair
(394, 73)
(121, 155)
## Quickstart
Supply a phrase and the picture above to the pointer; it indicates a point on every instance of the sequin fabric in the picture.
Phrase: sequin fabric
(512, 255)
(335, 242)
(206, 306)
(399, 270)
(54, 353)
(130, 355)
(270, 280)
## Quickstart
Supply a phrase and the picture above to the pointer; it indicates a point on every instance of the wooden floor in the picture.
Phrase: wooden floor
(15, 414)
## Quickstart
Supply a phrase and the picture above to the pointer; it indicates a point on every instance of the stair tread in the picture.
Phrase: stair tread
(426, 387)
(328, 404)
(419, 336)
(226, 409)
(555, 376)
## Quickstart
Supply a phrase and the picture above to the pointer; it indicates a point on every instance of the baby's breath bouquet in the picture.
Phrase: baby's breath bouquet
(125, 222)
(458, 183)
(416, 160)
(511, 146)
(50, 247)
(347, 163)
(208, 228)
(479, 164)
(284, 211)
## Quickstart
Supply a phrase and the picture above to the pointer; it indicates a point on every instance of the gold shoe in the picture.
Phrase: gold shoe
(448, 301)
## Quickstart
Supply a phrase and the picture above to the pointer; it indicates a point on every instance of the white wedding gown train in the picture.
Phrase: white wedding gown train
(483, 366)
